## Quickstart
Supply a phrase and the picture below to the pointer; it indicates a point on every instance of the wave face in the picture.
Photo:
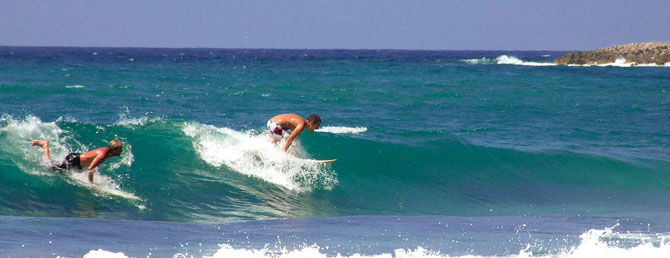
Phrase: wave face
(188, 171)
(413, 132)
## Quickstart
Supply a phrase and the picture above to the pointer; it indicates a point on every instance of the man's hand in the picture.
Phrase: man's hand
(90, 176)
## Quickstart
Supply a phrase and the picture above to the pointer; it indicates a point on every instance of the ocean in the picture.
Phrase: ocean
(439, 154)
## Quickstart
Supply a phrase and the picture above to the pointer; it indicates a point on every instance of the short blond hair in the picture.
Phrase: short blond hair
(115, 144)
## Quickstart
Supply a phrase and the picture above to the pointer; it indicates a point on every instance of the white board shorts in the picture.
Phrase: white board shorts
(276, 131)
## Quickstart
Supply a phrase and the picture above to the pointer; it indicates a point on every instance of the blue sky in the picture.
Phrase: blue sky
(362, 24)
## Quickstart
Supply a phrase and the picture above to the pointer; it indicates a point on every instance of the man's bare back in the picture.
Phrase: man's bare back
(87, 158)
(295, 123)
(289, 121)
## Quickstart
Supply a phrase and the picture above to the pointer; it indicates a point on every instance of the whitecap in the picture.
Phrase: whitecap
(622, 62)
(594, 243)
(475, 61)
(130, 122)
(253, 154)
(506, 60)
(104, 254)
(512, 60)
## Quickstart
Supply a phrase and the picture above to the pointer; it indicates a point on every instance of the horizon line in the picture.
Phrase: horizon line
(270, 48)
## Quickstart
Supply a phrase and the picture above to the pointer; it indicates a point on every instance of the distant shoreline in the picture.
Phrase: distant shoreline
(651, 53)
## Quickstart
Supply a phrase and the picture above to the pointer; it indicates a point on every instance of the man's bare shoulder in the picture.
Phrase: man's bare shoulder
(287, 116)
(98, 151)
(288, 119)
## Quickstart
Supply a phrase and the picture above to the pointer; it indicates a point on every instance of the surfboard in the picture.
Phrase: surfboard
(324, 161)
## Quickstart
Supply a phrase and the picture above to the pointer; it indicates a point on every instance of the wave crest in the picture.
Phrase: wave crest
(253, 154)
(506, 60)
(17, 135)
(594, 243)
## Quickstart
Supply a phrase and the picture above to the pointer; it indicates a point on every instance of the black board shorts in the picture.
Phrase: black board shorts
(71, 161)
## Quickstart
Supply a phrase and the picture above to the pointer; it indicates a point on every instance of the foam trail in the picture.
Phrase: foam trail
(342, 130)
(102, 185)
(254, 155)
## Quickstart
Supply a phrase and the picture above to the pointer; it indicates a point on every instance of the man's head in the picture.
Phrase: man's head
(115, 148)
(313, 122)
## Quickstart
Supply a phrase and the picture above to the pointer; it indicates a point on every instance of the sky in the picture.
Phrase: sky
(333, 24)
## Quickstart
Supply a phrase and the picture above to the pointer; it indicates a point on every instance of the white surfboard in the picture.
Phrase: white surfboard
(324, 161)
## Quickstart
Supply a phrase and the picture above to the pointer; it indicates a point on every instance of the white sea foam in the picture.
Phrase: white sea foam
(512, 60)
(622, 62)
(342, 130)
(75, 86)
(594, 243)
(475, 61)
(307, 252)
(104, 254)
(506, 60)
(18, 135)
(130, 122)
(134, 122)
(253, 154)
(103, 185)
(619, 62)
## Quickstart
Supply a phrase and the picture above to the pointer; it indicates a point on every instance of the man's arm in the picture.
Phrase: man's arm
(294, 134)
(99, 157)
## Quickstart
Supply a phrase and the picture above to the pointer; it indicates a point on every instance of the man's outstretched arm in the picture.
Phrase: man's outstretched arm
(99, 157)
(292, 137)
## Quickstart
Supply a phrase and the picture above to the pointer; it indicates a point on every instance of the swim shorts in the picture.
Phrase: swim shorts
(277, 131)
(71, 161)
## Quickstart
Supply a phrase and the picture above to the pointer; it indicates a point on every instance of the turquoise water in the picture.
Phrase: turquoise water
(447, 133)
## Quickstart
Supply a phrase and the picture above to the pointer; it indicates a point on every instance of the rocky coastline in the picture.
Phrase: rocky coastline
(652, 53)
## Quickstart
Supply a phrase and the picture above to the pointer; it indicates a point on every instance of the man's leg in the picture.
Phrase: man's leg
(45, 146)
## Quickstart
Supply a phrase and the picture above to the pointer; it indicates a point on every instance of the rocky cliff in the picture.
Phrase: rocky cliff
(636, 53)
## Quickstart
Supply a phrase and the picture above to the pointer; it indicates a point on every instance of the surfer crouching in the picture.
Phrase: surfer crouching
(89, 159)
(290, 125)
